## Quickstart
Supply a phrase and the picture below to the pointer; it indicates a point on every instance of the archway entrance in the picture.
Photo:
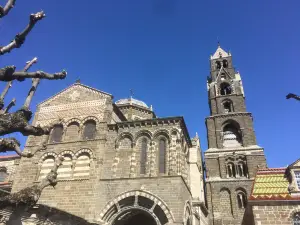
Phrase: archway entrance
(135, 217)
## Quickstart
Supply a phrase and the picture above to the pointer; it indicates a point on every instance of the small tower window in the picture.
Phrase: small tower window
(296, 218)
(225, 89)
(230, 170)
(242, 200)
(225, 63)
(242, 169)
(218, 65)
(228, 106)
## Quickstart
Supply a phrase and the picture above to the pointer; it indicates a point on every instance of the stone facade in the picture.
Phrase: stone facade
(123, 165)
(119, 158)
(276, 213)
(233, 155)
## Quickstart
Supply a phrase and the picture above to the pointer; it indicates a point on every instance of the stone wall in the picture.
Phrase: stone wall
(275, 212)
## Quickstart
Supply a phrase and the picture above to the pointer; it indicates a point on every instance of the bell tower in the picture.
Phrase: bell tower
(233, 155)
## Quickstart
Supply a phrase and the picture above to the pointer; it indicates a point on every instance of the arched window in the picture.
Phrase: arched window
(241, 200)
(46, 167)
(225, 63)
(3, 174)
(162, 156)
(228, 107)
(143, 156)
(82, 166)
(230, 170)
(65, 170)
(242, 169)
(72, 133)
(89, 131)
(232, 135)
(296, 218)
(218, 65)
(225, 89)
(56, 135)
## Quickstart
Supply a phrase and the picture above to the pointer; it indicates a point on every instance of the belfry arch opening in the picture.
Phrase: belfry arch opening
(225, 89)
(232, 135)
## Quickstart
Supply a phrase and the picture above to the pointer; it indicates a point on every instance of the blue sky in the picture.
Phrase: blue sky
(161, 49)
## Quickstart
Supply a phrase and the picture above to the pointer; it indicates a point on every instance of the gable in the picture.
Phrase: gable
(74, 94)
(75, 102)
(295, 164)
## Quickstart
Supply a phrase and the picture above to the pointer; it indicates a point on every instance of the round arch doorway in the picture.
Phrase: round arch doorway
(135, 217)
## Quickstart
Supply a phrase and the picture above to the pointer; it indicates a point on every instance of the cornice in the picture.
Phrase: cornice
(229, 180)
(154, 122)
(229, 115)
(224, 151)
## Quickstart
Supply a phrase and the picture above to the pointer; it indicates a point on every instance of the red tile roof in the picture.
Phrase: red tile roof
(271, 184)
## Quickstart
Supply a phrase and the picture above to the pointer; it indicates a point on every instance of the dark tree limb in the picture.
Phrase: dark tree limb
(5, 10)
(11, 104)
(290, 95)
(29, 196)
(20, 38)
(8, 74)
(9, 84)
(12, 144)
(19, 122)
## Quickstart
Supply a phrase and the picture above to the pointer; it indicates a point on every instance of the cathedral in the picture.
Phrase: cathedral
(124, 165)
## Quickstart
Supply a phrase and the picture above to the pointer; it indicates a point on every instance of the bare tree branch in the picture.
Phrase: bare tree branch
(11, 104)
(9, 5)
(19, 122)
(29, 196)
(290, 95)
(9, 84)
(20, 38)
(12, 144)
(8, 74)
